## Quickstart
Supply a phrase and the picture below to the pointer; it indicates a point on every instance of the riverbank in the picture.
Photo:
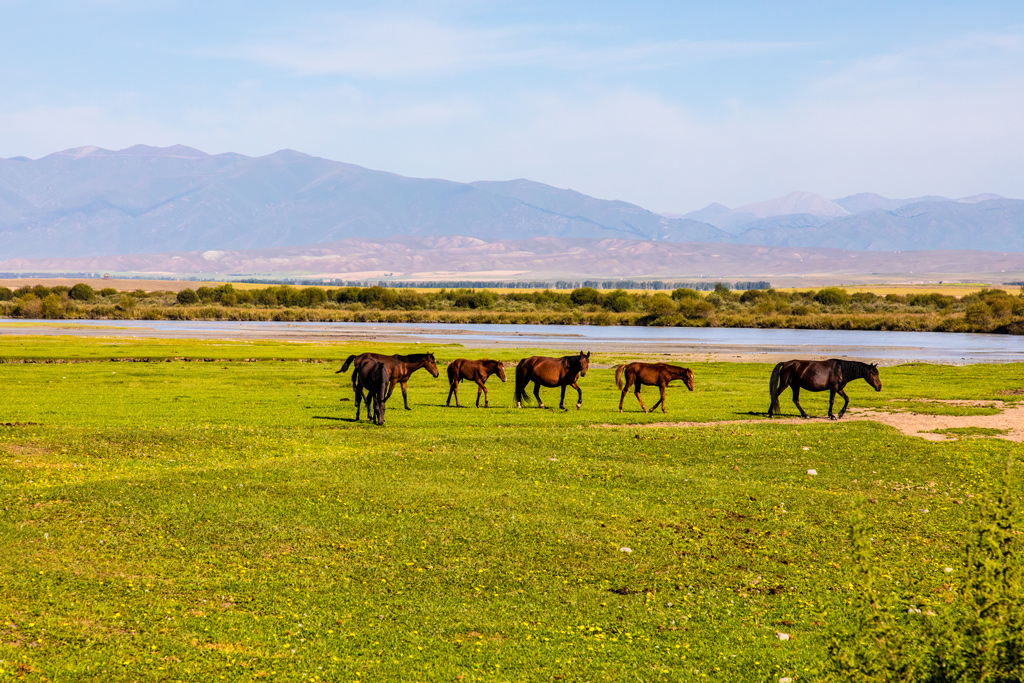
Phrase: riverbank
(673, 344)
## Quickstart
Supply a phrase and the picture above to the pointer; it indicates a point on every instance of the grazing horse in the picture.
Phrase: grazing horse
(476, 370)
(399, 368)
(818, 375)
(651, 374)
(551, 372)
(373, 376)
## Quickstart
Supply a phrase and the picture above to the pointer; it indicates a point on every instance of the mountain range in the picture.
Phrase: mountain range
(92, 202)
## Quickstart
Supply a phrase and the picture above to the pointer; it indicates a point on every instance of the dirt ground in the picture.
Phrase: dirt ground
(1010, 421)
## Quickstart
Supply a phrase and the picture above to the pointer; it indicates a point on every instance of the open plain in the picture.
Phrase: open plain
(197, 510)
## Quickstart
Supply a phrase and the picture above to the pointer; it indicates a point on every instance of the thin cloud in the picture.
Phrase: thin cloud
(404, 47)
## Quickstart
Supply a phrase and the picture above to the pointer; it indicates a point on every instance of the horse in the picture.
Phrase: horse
(651, 374)
(551, 372)
(476, 370)
(818, 375)
(399, 368)
(373, 376)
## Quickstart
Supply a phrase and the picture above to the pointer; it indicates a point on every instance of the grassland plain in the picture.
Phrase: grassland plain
(227, 520)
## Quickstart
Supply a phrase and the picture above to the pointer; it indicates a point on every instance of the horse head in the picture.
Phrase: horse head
(584, 363)
(688, 378)
(431, 365)
(501, 369)
(873, 378)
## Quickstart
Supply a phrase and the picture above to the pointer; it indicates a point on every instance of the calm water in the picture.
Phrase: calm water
(891, 346)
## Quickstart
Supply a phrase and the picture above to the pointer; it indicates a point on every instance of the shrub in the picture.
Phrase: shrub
(619, 301)
(205, 294)
(832, 296)
(6, 294)
(187, 297)
(586, 296)
(660, 305)
(685, 293)
(52, 307)
(108, 291)
(82, 292)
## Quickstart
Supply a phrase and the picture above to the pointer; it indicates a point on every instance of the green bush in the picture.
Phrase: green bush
(619, 301)
(832, 296)
(108, 291)
(6, 294)
(82, 292)
(586, 296)
(187, 297)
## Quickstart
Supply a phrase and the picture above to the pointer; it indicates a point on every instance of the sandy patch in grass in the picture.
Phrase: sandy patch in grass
(1010, 422)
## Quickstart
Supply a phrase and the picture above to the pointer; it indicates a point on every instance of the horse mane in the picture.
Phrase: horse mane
(413, 357)
(853, 369)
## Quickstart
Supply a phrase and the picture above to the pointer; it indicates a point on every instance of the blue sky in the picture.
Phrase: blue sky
(670, 105)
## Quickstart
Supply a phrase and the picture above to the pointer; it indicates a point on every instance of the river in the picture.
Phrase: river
(720, 342)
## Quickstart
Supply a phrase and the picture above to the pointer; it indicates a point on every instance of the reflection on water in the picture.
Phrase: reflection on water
(904, 346)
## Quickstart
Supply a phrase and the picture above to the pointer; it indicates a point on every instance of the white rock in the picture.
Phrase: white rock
(813, 473)
(625, 549)
(782, 636)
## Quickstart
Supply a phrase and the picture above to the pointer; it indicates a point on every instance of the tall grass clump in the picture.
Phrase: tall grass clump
(976, 633)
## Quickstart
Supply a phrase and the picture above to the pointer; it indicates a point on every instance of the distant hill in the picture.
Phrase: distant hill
(145, 200)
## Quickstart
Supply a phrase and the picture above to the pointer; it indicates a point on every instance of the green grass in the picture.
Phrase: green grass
(228, 519)
(969, 431)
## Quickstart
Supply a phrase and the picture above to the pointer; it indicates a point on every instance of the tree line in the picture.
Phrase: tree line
(988, 310)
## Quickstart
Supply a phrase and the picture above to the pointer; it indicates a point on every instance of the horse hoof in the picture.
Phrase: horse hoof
(832, 417)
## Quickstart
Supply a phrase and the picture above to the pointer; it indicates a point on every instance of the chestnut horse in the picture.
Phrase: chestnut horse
(399, 368)
(818, 375)
(551, 372)
(476, 370)
(651, 374)
(373, 376)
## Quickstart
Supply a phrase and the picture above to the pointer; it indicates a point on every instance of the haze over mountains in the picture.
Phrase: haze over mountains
(91, 202)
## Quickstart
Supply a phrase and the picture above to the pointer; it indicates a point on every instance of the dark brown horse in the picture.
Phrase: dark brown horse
(651, 374)
(373, 376)
(551, 372)
(399, 368)
(818, 375)
(476, 370)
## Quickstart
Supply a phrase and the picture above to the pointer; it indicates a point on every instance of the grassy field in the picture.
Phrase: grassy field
(225, 519)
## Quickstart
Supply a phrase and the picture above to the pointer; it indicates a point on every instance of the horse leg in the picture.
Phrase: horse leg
(536, 393)
(846, 402)
(831, 402)
(453, 389)
(661, 401)
(625, 390)
(636, 392)
(796, 401)
(579, 397)
(405, 397)
(480, 388)
(561, 403)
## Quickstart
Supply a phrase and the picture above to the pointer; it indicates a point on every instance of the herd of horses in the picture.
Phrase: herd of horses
(374, 376)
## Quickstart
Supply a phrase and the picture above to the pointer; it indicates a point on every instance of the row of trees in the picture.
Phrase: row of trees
(829, 307)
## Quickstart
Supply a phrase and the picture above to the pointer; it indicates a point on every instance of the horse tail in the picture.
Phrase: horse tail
(382, 391)
(453, 374)
(348, 362)
(618, 375)
(385, 379)
(774, 391)
(521, 382)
